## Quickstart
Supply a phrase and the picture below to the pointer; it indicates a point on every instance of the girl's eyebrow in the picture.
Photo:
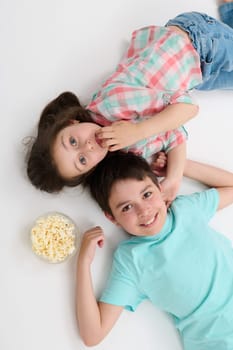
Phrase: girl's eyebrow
(127, 201)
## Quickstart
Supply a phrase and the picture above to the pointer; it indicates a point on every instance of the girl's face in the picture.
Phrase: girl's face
(77, 149)
(137, 207)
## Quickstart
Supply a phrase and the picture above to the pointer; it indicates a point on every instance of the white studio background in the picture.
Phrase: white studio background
(47, 47)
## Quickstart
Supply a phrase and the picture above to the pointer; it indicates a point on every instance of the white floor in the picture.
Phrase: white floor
(48, 47)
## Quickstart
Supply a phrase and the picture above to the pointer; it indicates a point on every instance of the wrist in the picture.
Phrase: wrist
(144, 130)
(175, 168)
(174, 179)
(83, 263)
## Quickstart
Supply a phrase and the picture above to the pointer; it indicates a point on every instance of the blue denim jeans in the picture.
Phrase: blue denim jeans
(213, 40)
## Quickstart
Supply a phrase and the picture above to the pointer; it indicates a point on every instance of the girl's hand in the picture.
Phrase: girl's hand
(159, 164)
(119, 135)
(90, 240)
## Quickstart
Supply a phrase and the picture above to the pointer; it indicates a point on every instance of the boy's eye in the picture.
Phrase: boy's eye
(147, 194)
(127, 207)
(72, 141)
(82, 160)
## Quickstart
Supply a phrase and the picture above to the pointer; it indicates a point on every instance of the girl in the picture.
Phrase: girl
(148, 93)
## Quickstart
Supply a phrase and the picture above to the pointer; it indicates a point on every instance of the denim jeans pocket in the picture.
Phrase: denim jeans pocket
(208, 18)
(209, 50)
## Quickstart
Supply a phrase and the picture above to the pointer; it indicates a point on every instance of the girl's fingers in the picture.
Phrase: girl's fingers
(114, 148)
(110, 142)
(160, 163)
(101, 243)
(105, 135)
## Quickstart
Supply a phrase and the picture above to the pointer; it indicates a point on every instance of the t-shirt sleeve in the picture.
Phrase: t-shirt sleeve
(121, 289)
(203, 203)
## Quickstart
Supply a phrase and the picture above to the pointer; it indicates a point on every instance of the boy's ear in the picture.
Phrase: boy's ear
(111, 218)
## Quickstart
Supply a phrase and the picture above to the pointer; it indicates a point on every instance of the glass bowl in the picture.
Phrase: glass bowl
(54, 237)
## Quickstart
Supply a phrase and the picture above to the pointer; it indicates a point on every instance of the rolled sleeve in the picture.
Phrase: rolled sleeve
(174, 138)
(178, 97)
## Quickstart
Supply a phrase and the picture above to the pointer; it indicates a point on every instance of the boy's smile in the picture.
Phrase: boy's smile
(137, 206)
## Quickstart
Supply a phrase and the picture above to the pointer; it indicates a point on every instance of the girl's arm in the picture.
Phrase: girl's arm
(174, 173)
(212, 176)
(125, 133)
(95, 319)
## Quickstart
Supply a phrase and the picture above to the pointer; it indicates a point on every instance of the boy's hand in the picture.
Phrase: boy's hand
(169, 189)
(90, 240)
(159, 164)
(119, 135)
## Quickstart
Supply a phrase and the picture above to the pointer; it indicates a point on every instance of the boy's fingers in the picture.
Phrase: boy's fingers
(94, 230)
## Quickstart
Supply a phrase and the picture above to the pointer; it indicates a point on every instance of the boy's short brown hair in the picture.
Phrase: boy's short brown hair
(114, 167)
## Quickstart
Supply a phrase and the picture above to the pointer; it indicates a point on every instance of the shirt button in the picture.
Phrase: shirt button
(166, 99)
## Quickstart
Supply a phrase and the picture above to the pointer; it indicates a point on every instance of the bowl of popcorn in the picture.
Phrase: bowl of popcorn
(54, 237)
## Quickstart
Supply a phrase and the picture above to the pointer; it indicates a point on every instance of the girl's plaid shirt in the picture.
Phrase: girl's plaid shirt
(159, 68)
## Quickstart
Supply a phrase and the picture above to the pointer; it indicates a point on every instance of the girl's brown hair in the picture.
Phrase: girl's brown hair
(57, 115)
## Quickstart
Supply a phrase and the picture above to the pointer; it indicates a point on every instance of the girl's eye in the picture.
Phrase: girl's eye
(127, 207)
(147, 194)
(72, 141)
(82, 160)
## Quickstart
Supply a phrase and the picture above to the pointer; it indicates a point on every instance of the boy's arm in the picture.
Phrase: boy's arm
(174, 172)
(212, 176)
(95, 319)
(125, 133)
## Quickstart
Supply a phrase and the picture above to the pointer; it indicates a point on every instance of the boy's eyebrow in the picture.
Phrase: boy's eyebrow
(63, 144)
(125, 202)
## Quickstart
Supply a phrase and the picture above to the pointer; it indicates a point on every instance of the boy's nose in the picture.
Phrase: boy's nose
(143, 211)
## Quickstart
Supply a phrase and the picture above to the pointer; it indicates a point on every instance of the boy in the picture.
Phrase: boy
(173, 258)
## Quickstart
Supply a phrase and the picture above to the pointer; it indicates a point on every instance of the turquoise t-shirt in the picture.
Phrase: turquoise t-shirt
(185, 270)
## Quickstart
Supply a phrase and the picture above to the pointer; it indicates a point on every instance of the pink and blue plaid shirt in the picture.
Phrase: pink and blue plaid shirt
(159, 68)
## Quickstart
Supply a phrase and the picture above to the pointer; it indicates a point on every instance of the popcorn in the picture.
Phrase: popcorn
(53, 237)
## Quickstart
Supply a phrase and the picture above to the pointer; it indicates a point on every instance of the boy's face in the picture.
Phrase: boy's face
(137, 207)
(77, 149)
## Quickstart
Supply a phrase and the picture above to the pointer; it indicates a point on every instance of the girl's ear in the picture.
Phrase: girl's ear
(111, 218)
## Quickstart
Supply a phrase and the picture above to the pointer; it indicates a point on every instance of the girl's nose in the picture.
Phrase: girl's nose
(89, 145)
